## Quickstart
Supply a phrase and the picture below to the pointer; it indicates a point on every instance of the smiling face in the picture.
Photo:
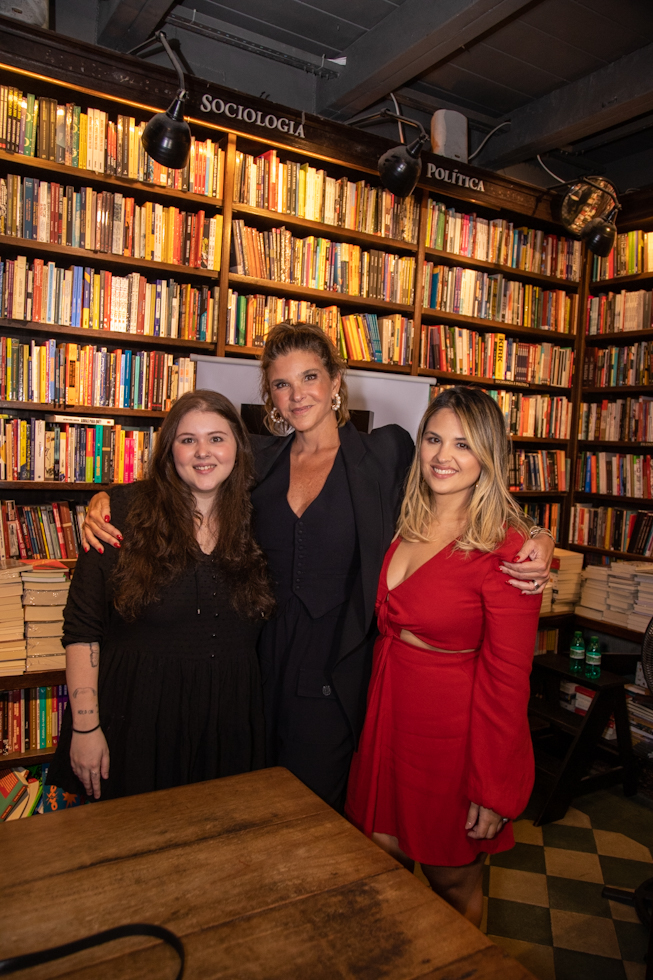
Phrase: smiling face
(204, 451)
(302, 390)
(447, 463)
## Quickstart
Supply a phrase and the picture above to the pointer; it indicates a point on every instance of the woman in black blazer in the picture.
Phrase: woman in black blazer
(326, 503)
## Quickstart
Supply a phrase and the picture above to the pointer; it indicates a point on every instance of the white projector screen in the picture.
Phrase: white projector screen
(394, 398)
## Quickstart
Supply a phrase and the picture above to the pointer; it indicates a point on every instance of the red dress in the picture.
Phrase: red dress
(445, 729)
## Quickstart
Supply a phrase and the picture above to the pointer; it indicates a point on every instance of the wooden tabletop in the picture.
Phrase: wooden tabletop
(258, 876)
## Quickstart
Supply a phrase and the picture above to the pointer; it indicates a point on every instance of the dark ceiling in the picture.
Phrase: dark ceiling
(572, 77)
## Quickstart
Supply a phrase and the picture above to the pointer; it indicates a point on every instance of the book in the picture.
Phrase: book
(13, 787)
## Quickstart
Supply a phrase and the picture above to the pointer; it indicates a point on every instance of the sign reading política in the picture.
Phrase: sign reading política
(454, 177)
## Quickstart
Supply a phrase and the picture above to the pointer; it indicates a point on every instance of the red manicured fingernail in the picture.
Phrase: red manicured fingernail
(120, 536)
(86, 548)
(101, 551)
(106, 517)
(116, 544)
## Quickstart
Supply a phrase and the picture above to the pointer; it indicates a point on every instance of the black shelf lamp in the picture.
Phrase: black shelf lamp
(166, 138)
(588, 209)
(400, 167)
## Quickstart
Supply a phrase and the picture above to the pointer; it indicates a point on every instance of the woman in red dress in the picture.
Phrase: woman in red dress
(445, 758)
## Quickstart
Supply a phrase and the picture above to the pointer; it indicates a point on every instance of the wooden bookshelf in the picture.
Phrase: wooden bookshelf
(117, 337)
(335, 232)
(612, 629)
(620, 555)
(618, 390)
(53, 65)
(523, 386)
(621, 337)
(544, 494)
(29, 758)
(320, 296)
(588, 444)
(82, 409)
(52, 485)
(620, 281)
(94, 255)
(615, 501)
(509, 271)
(364, 365)
(127, 184)
(498, 326)
(47, 678)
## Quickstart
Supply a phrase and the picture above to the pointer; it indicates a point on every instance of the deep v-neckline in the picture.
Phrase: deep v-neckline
(415, 571)
(298, 517)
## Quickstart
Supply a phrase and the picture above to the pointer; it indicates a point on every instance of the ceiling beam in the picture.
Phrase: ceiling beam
(604, 98)
(613, 135)
(412, 39)
(125, 23)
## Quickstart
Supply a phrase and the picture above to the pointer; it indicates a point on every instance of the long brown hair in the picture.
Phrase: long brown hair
(160, 529)
(288, 337)
(492, 509)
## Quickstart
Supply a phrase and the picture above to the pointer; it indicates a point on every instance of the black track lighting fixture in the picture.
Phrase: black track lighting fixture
(167, 135)
(400, 167)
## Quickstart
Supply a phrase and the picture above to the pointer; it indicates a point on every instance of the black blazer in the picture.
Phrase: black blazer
(376, 466)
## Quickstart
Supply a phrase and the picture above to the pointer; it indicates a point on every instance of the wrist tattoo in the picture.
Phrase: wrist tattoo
(86, 712)
(85, 690)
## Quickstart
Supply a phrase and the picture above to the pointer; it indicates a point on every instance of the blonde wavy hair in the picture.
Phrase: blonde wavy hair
(492, 510)
(288, 337)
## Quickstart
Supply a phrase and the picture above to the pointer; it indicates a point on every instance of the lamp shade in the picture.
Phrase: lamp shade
(167, 136)
(400, 167)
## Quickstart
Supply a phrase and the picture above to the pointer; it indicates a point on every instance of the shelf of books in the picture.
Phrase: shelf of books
(33, 693)
(611, 512)
(114, 271)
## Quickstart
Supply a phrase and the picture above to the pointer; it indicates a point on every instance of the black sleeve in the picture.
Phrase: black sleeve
(89, 600)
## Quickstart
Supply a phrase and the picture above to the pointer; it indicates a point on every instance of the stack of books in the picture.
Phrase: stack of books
(642, 613)
(547, 599)
(640, 714)
(594, 592)
(12, 635)
(566, 569)
(574, 697)
(45, 595)
(623, 589)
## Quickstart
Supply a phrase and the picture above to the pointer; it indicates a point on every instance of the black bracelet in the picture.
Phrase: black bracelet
(86, 731)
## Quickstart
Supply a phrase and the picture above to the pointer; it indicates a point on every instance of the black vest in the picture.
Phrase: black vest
(315, 556)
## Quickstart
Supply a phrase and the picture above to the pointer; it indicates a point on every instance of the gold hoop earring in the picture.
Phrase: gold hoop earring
(337, 402)
(275, 416)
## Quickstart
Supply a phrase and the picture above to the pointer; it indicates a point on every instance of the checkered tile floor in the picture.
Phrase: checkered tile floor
(543, 898)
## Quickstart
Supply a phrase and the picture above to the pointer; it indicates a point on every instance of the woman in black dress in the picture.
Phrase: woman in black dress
(326, 503)
(161, 633)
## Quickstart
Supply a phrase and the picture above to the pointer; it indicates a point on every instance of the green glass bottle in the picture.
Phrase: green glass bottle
(593, 659)
(577, 654)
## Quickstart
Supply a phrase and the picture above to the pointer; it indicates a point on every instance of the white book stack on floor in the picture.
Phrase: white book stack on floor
(44, 598)
(642, 613)
(12, 636)
(566, 569)
(594, 592)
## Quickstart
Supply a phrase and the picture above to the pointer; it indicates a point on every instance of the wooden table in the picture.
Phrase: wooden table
(259, 877)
